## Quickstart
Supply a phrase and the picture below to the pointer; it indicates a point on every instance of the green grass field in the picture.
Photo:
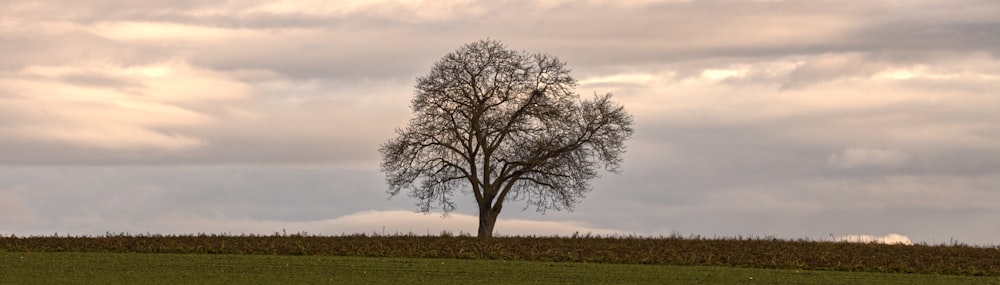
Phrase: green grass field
(144, 268)
(953, 259)
(446, 259)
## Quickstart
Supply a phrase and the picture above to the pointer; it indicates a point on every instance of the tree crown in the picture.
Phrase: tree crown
(505, 125)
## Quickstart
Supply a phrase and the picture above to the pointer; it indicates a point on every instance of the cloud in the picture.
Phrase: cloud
(369, 222)
(405, 221)
(892, 238)
(13, 208)
(830, 67)
(178, 34)
(103, 105)
(926, 192)
(400, 9)
(751, 115)
(867, 157)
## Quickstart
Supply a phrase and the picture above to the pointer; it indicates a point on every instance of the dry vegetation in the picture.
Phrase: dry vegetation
(953, 259)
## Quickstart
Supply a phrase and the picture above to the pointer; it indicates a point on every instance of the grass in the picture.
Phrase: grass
(143, 268)
(953, 259)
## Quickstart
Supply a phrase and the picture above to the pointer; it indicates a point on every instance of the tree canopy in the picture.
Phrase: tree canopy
(505, 125)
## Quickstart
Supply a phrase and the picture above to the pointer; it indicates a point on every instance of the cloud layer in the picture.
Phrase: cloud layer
(790, 118)
(383, 223)
(887, 239)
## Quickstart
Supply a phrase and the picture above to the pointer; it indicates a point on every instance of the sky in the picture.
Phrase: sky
(844, 120)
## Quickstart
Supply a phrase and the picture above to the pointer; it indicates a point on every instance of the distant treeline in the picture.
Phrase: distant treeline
(953, 259)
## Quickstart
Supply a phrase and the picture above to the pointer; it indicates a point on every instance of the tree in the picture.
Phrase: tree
(506, 125)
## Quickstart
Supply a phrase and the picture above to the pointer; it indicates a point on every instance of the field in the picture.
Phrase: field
(138, 268)
(461, 259)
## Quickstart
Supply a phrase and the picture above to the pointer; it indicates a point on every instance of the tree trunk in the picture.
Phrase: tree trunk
(487, 219)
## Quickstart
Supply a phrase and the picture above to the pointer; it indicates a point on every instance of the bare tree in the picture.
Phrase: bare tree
(506, 125)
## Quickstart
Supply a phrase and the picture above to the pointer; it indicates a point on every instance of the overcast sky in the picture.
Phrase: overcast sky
(793, 119)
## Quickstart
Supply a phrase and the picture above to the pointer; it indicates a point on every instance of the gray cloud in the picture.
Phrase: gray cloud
(791, 118)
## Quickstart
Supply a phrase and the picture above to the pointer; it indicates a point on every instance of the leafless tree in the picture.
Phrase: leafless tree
(506, 125)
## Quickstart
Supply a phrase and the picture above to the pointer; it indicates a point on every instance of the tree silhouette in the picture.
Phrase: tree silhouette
(506, 125)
